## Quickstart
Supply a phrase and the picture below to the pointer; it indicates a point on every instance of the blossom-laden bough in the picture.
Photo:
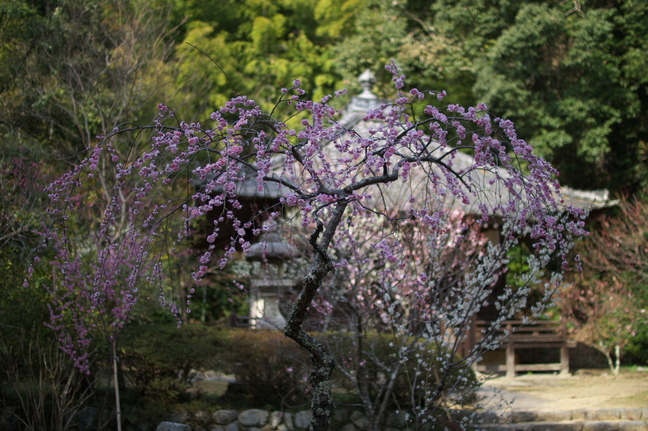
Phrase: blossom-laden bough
(330, 179)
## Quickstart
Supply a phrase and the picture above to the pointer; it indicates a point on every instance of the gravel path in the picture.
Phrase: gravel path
(543, 392)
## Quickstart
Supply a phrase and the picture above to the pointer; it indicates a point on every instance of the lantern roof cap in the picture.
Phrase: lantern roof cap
(271, 247)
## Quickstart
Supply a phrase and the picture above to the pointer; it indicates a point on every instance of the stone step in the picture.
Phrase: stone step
(572, 426)
(607, 419)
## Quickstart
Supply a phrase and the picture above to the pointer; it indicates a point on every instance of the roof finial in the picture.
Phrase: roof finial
(364, 101)
(367, 80)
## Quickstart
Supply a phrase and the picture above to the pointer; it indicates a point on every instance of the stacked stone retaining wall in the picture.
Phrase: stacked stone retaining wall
(346, 420)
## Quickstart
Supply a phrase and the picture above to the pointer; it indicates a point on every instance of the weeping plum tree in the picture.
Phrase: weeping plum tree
(328, 177)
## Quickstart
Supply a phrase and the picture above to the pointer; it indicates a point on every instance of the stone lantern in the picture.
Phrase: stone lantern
(268, 279)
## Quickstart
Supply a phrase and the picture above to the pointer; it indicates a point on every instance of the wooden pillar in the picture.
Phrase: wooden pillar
(564, 359)
(564, 352)
(510, 359)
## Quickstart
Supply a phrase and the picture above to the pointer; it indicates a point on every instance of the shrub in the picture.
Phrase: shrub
(162, 358)
(40, 387)
(271, 368)
(418, 375)
(637, 350)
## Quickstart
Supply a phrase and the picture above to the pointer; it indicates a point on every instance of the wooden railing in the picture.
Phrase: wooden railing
(544, 334)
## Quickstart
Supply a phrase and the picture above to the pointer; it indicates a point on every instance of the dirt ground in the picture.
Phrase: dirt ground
(586, 389)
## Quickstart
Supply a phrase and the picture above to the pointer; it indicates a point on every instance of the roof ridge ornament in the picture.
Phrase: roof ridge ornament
(367, 80)
(364, 101)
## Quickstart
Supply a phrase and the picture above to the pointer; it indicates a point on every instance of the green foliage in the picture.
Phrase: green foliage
(254, 48)
(561, 75)
(571, 75)
(336, 17)
(271, 368)
(637, 350)
(378, 35)
(73, 69)
(158, 362)
(163, 355)
(517, 265)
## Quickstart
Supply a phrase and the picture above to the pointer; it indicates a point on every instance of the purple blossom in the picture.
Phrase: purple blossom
(355, 197)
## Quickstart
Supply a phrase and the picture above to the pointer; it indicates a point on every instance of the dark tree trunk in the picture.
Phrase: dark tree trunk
(322, 361)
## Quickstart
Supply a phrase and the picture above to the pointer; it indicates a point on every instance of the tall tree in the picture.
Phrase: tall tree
(570, 74)
(72, 69)
(566, 73)
(406, 31)
(252, 47)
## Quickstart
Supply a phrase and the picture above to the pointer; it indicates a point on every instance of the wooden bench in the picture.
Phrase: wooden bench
(544, 334)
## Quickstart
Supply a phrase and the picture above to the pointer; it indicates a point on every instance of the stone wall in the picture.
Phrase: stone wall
(261, 420)
(608, 419)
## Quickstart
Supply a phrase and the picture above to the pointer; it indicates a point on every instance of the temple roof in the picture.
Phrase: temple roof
(354, 119)
(395, 195)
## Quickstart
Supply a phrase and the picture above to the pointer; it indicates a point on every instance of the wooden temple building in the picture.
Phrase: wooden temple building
(265, 295)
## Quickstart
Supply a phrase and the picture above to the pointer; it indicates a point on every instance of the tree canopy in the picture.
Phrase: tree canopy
(571, 75)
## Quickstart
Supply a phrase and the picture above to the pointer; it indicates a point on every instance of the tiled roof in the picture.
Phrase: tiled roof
(395, 195)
